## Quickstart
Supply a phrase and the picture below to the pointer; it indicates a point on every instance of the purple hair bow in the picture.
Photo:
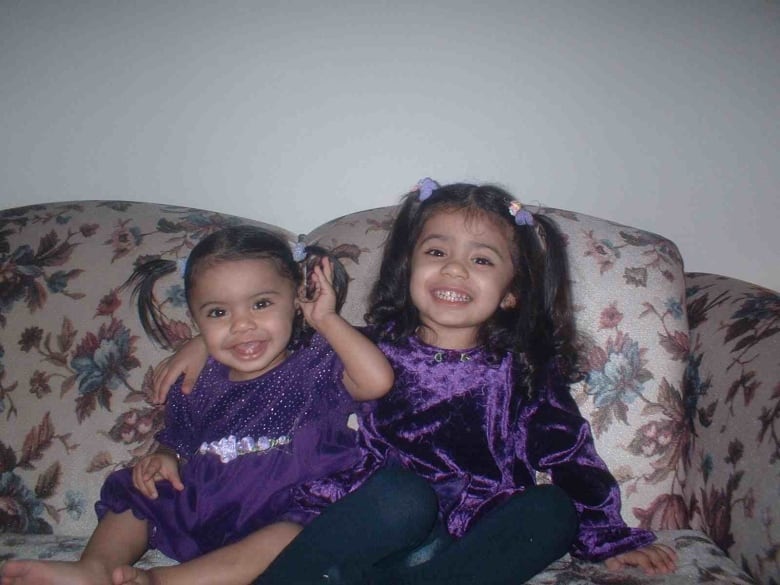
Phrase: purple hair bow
(426, 186)
(522, 216)
(299, 251)
(181, 266)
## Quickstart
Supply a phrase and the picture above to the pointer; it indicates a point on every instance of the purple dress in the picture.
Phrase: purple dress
(293, 420)
(454, 419)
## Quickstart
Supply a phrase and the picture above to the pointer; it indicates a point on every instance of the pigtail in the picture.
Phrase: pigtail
(390, 308)
(313, 255)
(142, 281)
(305, 259)
(557, 323)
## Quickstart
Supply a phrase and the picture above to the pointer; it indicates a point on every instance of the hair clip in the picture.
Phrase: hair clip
(181, 266)
(425, 186)
(299, 251)
(522, 216)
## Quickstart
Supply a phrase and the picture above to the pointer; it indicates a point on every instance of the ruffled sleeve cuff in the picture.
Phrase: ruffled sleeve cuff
(597, 544)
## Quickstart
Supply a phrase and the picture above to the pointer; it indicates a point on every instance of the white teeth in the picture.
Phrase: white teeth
(451, 296)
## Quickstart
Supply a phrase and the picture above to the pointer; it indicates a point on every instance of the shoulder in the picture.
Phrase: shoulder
(316, 344)
(212, 372)
(552, 387)
(315, 353)
(212, 369)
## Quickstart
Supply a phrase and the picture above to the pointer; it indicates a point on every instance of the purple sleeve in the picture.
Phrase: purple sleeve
(559, 441)
(332, 389)
(178, 432)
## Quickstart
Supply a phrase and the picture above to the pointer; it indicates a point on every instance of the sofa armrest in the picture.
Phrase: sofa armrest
(733, 404)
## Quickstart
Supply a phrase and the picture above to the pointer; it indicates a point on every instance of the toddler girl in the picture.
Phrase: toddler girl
(472, 309)
(268, 412)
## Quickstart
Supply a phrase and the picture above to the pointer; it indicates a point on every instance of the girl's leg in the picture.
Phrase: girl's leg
(394, 510)
(509, 545)
(119, 539)
(235, 564)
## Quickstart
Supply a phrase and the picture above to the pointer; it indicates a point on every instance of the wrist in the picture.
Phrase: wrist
(325, 322)
(163, 451)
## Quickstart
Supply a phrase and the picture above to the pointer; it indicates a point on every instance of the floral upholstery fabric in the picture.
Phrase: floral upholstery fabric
(732, 471)
(75, 367)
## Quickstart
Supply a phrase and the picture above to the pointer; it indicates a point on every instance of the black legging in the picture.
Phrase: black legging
(369, 537)
(511, 544)
(393, 511)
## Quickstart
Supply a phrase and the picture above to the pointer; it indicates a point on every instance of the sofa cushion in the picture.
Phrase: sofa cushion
(700, 561)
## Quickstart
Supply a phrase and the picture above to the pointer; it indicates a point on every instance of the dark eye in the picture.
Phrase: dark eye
(216, 313)
(261, 304)
(434, 252)
(483, 261)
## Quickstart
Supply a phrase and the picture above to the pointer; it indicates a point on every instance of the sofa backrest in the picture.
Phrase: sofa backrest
(75, 365)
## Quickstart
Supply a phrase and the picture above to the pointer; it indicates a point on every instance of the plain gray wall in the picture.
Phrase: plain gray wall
(661, 114)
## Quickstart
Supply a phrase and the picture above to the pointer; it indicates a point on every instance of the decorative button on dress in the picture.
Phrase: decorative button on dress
(244, 446)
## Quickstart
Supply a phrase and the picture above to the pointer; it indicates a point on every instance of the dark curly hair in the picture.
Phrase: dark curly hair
(538, 329)
(230, 244)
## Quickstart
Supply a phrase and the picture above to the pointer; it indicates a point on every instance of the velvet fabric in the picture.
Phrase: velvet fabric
(303, 398)
(455, 419)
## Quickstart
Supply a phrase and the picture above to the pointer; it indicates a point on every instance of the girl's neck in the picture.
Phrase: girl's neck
(240, 376)
(457, 339)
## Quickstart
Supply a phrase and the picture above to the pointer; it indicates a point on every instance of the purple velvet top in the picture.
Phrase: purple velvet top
(454, 419)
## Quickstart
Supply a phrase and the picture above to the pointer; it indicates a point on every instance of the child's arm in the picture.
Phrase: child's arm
(189, 360)
(367, 373)
(559, 441)
(653, 559)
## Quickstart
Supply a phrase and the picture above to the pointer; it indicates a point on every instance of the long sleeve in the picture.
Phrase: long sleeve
(559, 441)
(178, 433)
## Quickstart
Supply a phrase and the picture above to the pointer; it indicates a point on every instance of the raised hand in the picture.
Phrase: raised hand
(322, 304)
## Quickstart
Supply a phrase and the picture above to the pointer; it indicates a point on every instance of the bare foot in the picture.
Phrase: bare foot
(31, 572)
(127, 575)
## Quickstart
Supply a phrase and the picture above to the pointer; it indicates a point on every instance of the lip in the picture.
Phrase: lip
(451, 296)
(249, 350)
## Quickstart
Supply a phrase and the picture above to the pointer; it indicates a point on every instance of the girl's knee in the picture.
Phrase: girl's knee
(549, 505)
(560, 510)
(406, 499)
(406, 487)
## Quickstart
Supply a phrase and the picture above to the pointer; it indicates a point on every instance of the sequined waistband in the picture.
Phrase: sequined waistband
(228, 448)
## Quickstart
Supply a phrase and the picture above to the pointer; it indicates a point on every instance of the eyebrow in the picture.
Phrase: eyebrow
(262, 293)
(472, 243)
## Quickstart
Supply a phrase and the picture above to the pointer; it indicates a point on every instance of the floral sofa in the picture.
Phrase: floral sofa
(682, 386)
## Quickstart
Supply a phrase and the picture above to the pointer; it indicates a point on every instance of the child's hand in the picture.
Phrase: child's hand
(653, 559)
(323, 304)
(188, 360)
(153, 468)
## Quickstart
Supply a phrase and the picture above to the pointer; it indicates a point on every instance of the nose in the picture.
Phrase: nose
(455, 269)
(241, 322)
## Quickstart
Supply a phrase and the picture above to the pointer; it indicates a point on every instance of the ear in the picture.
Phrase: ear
(508, 302)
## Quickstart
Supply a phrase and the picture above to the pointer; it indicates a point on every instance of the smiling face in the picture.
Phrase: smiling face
(244, 310)
(461, 270)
